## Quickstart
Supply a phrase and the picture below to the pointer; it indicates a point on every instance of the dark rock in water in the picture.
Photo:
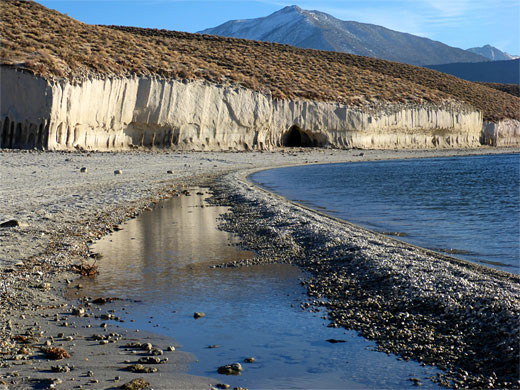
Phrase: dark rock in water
(334, 341)
(102, 301)
(213, 346)
(230, 369)
(416, 381)
(136, 384)
(198, 314)
(249, 360)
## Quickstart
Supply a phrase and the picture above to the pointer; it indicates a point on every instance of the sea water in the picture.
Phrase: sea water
(467, 207)
(161, 267)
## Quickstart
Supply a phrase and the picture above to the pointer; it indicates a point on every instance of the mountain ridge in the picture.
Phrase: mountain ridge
(317, 30)
(492, 53)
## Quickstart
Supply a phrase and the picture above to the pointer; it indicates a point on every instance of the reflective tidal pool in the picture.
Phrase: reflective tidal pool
(160, 265)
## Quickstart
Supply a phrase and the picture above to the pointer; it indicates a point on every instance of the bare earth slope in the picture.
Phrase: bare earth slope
(53, 45)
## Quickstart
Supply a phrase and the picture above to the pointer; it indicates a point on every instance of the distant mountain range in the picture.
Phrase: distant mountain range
(492, 53)
(506, 72)
(318, 30)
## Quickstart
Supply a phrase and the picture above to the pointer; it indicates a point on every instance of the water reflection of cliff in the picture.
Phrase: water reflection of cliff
(151, 250)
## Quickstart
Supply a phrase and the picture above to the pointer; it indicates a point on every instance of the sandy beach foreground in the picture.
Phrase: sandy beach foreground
(414, 303)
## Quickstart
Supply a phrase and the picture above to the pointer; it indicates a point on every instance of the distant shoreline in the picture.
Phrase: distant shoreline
(321, 205)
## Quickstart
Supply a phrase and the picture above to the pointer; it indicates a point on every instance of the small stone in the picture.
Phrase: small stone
(334, 341)
(156, 352)
(59, 368)
(141, 369)
(249, 360)
(230, 369)
(169, 171)
(103, 342)
(45, 286)
(90, 373)
(61, 335)
(78, 311)
(83, 170)
(69, 338)
(149, 360)
(146, 347)
(136, 384)
(171, 348)
(118, 172)
(12, 223)
(55, 353)
(222, 386)
(198, 314)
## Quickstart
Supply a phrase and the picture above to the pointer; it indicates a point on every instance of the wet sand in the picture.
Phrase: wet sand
(61, 210)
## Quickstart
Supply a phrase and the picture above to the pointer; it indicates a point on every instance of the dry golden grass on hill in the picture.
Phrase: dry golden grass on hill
(512, 89)
(53, 45)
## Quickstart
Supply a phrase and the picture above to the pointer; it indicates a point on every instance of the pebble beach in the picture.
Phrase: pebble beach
(414, 303)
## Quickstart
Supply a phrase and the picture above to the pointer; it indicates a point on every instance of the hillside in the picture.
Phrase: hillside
(503, 72)
(318, 30)
(512, 89)
(53, 45)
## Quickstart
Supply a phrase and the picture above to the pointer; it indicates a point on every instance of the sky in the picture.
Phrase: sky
(458, 23)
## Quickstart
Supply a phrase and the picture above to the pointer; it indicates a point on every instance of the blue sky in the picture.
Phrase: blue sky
(459, 23)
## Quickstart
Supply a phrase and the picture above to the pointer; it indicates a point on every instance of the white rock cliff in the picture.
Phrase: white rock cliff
(120, 113)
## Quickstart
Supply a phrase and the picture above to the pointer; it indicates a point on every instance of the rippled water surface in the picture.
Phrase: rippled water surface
(468, 207)
(162, 259)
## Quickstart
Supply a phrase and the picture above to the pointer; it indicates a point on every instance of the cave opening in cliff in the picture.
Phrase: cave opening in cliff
(296, 137)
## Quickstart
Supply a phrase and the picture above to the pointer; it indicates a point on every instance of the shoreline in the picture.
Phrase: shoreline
(35, 267)
(244, 177)
(445, 305)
